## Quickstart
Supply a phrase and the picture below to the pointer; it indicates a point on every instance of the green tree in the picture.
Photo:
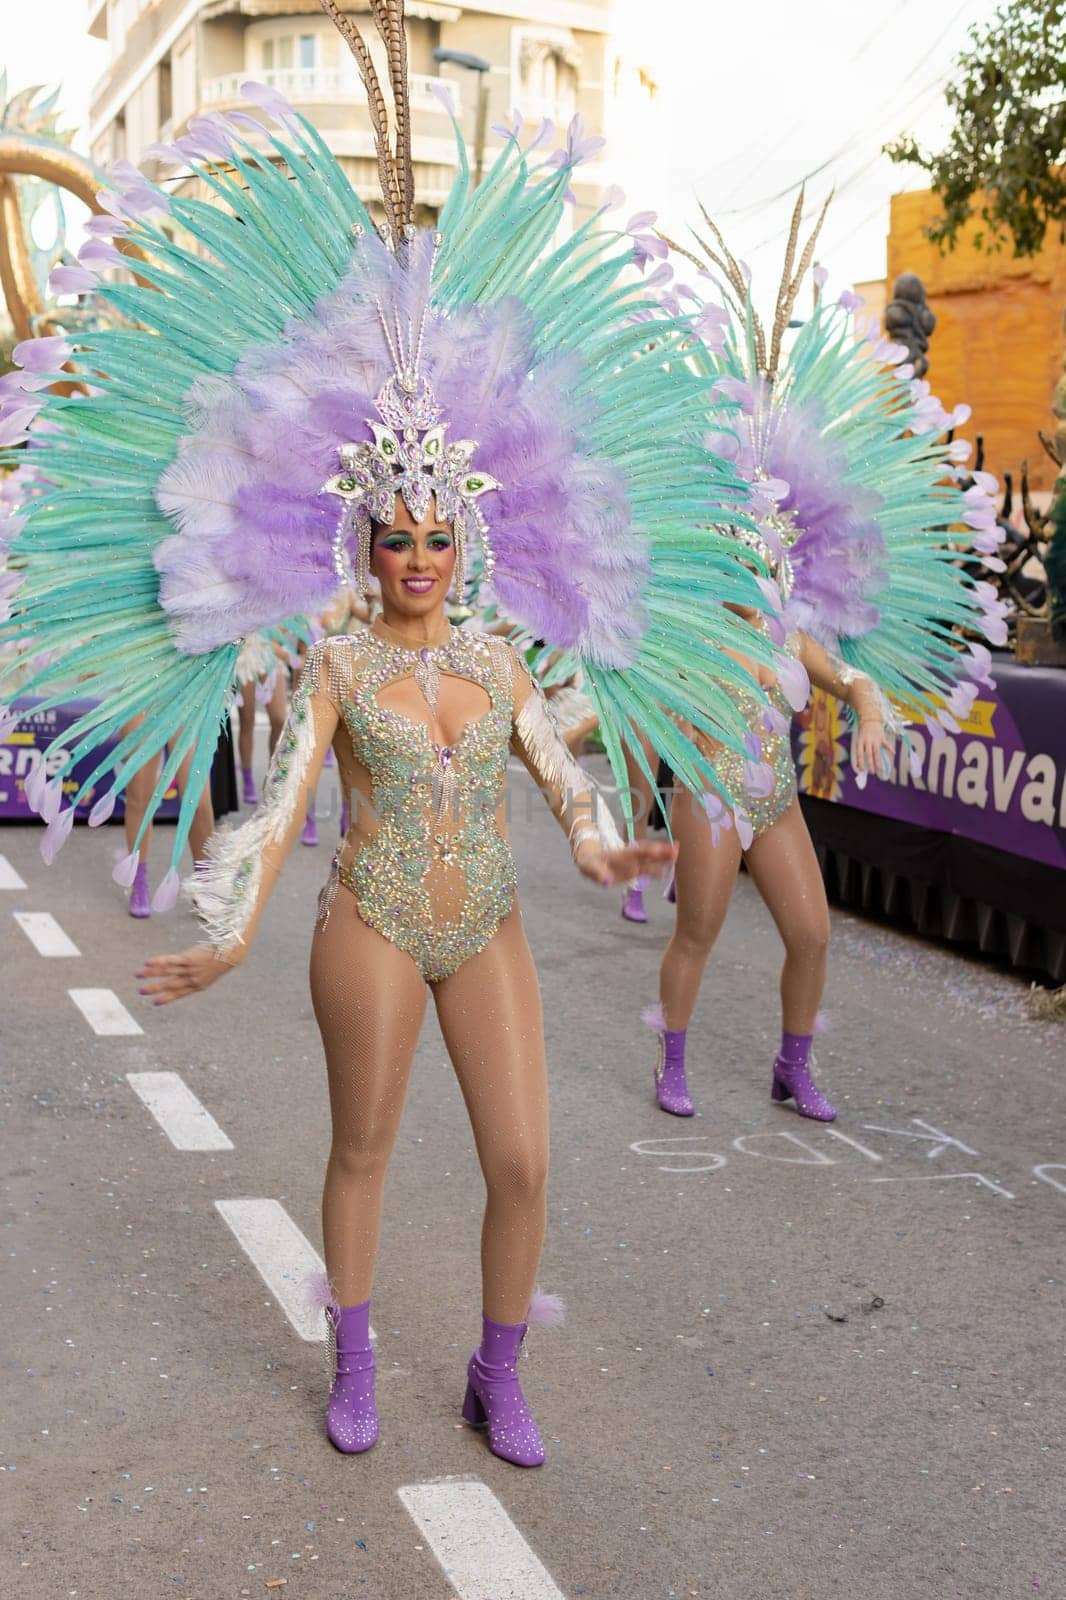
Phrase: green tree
(1005, 165)
(1005, 159)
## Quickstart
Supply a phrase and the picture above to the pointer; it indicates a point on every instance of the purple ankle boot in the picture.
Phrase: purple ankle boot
(633, 901)
(310, 833)
(251, 798)
(494, 1395)
(351, 1415)
(671, 1086)
(793, 1081)
(140, 898)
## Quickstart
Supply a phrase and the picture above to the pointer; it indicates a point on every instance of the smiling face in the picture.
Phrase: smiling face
(413, 562)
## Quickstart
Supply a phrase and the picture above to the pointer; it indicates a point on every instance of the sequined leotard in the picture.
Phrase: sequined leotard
(732, 768)
(436, 875)
(425, 857)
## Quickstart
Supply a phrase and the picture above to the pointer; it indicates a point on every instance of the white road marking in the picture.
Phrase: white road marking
(104, 1011)
(187, 1124)
(480, 1550)
(943, 1177)
(45, 934)
(863, 1149)
(932, 1136)
(9, 878)
(282, 1257)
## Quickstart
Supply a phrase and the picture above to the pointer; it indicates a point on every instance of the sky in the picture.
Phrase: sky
(754, 97)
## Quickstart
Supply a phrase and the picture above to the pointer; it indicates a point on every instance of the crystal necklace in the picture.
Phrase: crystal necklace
(427, 673)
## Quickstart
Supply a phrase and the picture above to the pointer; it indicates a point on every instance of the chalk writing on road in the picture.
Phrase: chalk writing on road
(691, 1153)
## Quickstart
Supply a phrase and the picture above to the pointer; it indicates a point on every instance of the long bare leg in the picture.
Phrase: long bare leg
(705, 874)
(490, 1016)
(369, 1000)
(785, 871)
(277, 706)
(642, 798)
(246, 725)
(203, 822)
(138, 793)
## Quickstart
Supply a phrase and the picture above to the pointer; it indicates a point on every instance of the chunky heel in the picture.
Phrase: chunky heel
(473, 1410)
(494, 1396)
(793, 1081)
(671, 1086)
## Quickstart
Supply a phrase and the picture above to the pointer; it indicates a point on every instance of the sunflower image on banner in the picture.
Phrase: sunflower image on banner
(821, 747)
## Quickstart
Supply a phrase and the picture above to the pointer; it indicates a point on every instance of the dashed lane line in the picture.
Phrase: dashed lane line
(479, 1549)
(187, 1124)
(104, 1012)
(9, 878)
(281, 1255)
(45, 934)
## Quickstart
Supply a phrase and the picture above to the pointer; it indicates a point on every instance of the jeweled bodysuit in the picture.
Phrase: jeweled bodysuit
(425, 856)
(763, 810)
(436, 875)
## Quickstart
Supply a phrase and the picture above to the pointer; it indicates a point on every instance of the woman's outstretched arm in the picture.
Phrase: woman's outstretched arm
(876, 722)
(572, 794)
(242, 864)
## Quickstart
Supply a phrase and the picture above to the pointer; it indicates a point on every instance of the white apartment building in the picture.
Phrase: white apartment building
(173, 59)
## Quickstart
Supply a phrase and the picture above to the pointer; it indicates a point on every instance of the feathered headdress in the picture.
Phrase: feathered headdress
(857, 498)
(285, 368)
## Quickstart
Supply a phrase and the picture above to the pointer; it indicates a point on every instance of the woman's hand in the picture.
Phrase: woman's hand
(640, 859)
(872, 749)
(167, 978)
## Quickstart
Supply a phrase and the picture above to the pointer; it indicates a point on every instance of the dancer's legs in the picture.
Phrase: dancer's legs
(246, 725)
(704, 874)
(369, 1000)
(784, 869)
(139, 791)
(203, 822)
(490, 1016)
(641, 792)
(277, 706)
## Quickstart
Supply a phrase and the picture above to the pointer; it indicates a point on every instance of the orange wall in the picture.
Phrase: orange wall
(999, 339)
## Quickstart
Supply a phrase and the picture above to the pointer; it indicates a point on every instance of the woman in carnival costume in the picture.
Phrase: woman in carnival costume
(305, 396)
(263, 680)
(856, 491)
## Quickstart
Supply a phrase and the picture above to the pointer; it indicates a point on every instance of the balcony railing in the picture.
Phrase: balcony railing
(302, 85)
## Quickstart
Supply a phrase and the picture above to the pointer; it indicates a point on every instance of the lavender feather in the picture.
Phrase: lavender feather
(840, 557)
(549, 1310)
(254, 533)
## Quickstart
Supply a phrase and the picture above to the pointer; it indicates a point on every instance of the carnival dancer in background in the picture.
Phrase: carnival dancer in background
(528, 396)
(855, 489)
(347, 613)
(140, 787)
(262, 673)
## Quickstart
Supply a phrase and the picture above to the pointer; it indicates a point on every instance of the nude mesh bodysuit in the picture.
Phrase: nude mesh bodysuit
(426, 861)
(422, 892)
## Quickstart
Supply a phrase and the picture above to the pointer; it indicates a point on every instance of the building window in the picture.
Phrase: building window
(165, 91)
(547, 74)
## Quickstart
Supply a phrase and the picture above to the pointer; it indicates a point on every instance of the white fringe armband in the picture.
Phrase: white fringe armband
(225, 889)
(553, 763)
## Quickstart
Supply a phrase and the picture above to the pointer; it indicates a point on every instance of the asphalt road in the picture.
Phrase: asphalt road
(798, 1362)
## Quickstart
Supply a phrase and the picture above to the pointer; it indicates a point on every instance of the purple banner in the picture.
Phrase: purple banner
(23, 749)
(1001, 780)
